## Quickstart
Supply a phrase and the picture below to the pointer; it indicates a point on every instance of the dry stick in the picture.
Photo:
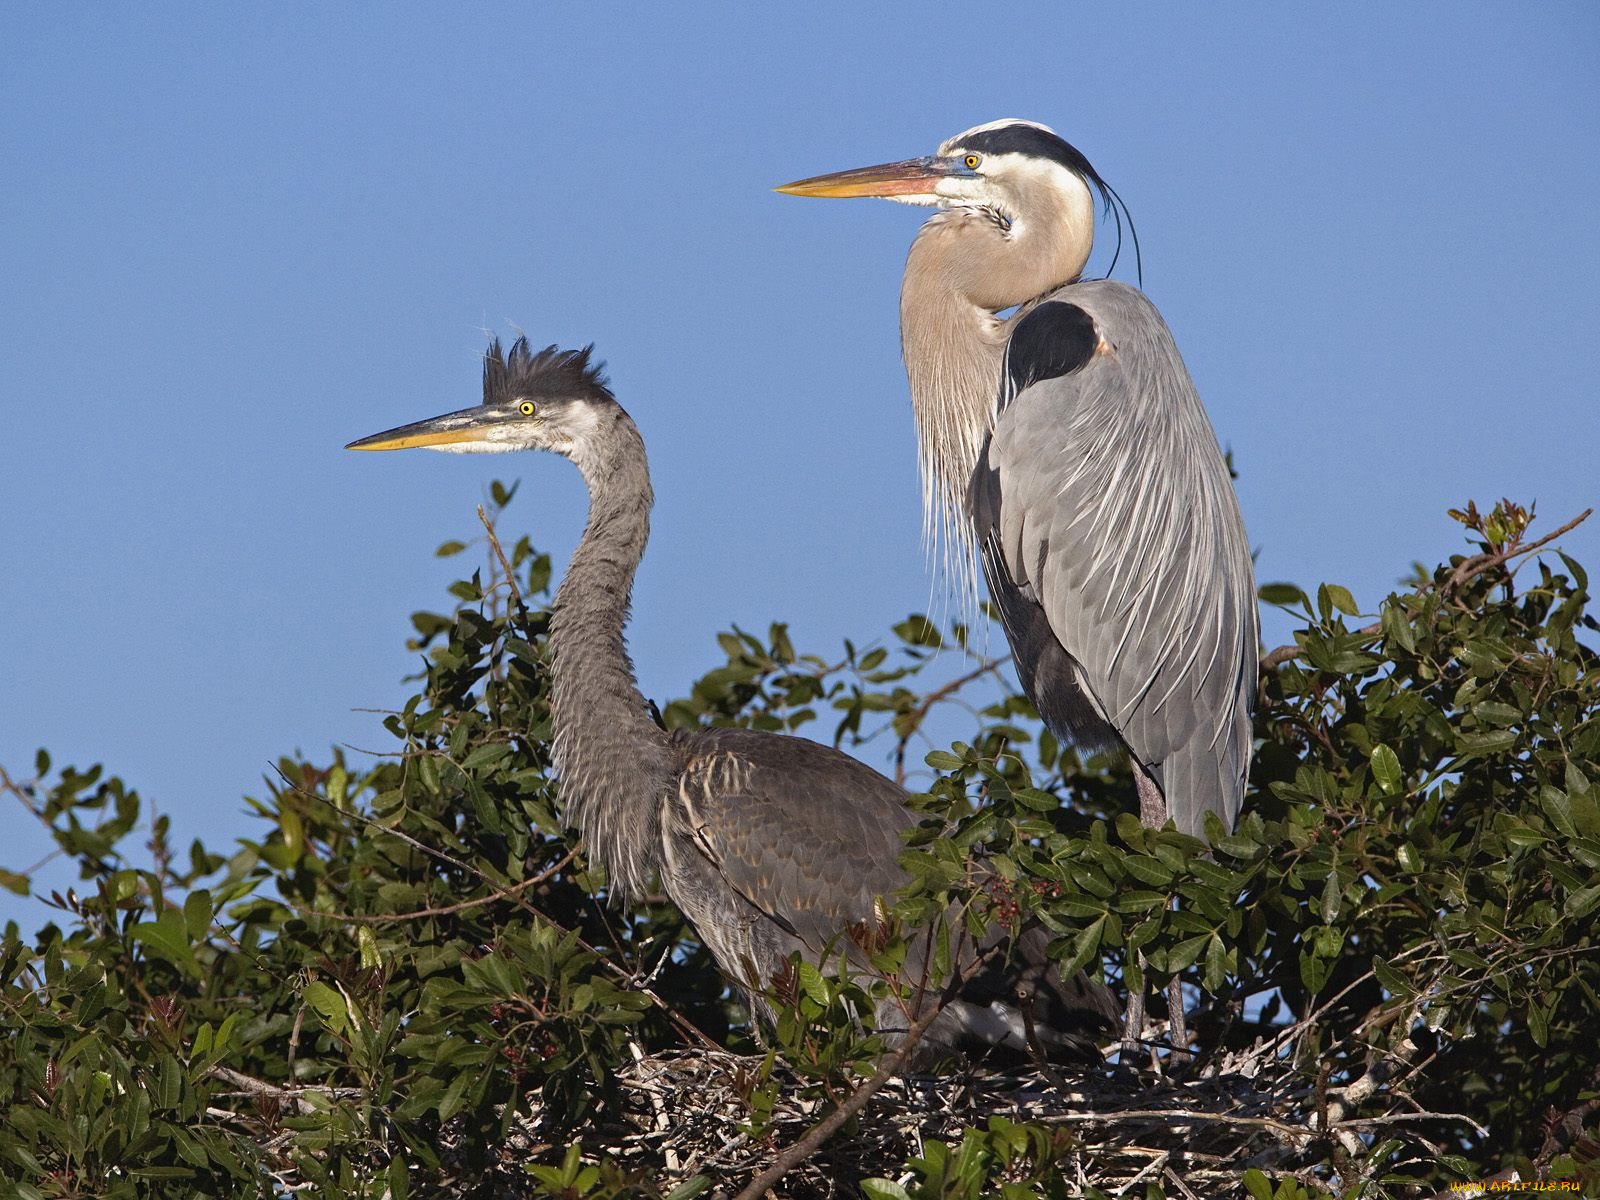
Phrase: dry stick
(444, 910)
(824, 1129)
(511, 578)
(260, 1087)
(1465, 570)
(1173, 1177)
(932, 698)
(1168, 1115)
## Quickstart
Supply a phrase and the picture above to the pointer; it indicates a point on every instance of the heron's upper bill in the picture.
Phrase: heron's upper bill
(451, 431)
(911, 177)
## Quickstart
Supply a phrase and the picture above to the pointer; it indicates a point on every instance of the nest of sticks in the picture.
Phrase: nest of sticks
(689, 1112)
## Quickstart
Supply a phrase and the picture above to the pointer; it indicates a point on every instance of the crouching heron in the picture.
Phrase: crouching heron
(769, 844)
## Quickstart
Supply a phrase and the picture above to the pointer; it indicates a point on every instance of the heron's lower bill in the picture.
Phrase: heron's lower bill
(451, 429)
(912, 177)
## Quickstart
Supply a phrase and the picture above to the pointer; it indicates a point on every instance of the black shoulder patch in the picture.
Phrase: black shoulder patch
(1054, 339)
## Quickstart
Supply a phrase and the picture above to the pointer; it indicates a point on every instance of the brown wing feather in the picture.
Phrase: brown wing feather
(808, 835)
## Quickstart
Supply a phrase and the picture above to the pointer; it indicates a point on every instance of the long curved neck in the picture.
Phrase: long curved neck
(963, 268)
(612, 758)
(953, 350)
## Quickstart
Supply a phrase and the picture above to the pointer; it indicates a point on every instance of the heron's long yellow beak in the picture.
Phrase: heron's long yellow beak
(912, 177)
(443, 437)
(465, 426)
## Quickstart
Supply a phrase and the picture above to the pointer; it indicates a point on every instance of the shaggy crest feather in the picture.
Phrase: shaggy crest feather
(548, 372)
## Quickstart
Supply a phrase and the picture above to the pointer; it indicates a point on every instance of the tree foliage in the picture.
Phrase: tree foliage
(1396, 948)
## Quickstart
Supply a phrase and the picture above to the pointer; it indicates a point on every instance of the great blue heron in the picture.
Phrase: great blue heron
(769, 844)
(1066, 446)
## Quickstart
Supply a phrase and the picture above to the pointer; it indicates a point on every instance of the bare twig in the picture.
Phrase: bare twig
(856, 1101)
(442, 910)
(1167, 1115)
(505, 565)
(295, 1093)
(918, 714)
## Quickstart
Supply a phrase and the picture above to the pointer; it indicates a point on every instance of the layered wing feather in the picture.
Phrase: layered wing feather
(783, 844)
(1114, 548)
(807, 835)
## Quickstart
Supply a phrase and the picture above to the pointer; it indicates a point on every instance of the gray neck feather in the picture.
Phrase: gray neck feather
(613, 760)
(962, 269)
(953, 350)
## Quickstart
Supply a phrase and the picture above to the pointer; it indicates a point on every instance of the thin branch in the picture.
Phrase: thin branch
(1465, 570)
(505, 565)
(1396, 1118)
(250, 1085)
(443, 910)
(684, 1025)
(856, 1101)
(920, 713)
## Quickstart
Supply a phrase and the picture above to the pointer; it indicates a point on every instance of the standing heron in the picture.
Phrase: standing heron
(1065, 446)
(769, 844)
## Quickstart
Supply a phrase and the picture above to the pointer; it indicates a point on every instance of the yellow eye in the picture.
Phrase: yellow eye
(972, 162)
(527, 408)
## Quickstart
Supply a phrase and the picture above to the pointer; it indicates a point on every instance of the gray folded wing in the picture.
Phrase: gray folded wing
(1114, 549)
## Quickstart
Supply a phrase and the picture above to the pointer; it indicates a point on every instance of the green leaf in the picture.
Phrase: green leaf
(1393, 981)
(1582, 902)
(1216, 971)
(197, 913)
(812, 983)
(693, 1186)
(1330, 898)
(329, 1005)
(1280, 594)
(367, 943)
(1386, 769)
(1492, 713)
(1471, 745)
(917, 630)
(167, 937)
(883, 1189)
(1148, 870)
(1331, 596)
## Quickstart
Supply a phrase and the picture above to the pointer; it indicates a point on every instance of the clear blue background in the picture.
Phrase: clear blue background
(232, 239)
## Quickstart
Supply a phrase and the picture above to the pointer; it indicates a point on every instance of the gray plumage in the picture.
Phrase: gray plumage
(769, 844)
(1116, 555)
(1065, 447)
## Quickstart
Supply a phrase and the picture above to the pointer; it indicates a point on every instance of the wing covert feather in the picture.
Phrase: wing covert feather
(1107, 513)
(808, 835)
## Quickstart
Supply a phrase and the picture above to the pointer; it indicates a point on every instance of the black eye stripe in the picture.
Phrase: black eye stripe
(1035, 143)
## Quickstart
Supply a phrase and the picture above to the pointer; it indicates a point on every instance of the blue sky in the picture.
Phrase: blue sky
(232, 239)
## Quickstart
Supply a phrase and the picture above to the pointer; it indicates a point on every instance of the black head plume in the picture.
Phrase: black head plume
(548, 372)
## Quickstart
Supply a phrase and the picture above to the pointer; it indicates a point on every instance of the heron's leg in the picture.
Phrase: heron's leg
(1180, 1025)
(1133, 1023)
(1153, 815)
